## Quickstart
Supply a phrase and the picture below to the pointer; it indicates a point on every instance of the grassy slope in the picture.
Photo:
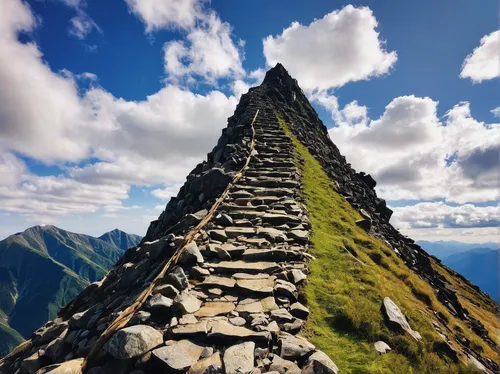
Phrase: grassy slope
(9, 338)
(345, 296)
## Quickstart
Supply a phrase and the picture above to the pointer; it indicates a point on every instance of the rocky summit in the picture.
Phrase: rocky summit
(275, 257)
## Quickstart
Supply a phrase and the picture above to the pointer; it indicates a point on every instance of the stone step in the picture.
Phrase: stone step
(270, 173)
(262, 191)
(271, 182)
(232, 267)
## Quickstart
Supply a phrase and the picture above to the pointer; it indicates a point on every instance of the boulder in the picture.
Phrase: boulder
(134, 341)
(167, 290)
(298, 310)
(208, 365)
(283, 366)
(187, 303)
(159, 303)
(178, 356)
(219, 235)
(191, 254)
(286, 289)
(68, 367)
(396, 319)
(382, 347)
(177, 278)
(320, 363)
(364, 223)
(293, 347)
(239, 358)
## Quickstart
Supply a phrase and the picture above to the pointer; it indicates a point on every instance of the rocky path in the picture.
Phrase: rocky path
(230, 302)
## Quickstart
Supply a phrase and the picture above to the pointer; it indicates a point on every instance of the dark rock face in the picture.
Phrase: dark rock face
(230, 302)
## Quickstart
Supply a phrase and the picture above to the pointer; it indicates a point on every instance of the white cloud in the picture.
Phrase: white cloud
(414, 155)
(342, 47)
(496, 112)
(46, 128)
(50, 197)
(439, 214)
(149, 142)
(167, 192)
(241, 86)
(81, 25)
(209, 52)
(160, 14)
(484, 62)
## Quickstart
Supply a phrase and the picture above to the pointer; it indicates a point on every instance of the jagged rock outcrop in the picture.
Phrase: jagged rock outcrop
(219, 274)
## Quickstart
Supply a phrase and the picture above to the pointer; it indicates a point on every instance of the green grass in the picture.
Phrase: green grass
(344, 295)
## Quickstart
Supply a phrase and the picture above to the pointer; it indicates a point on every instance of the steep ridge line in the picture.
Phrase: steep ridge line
(125, 317)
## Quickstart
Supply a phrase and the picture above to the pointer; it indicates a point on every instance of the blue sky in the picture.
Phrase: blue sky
(105, 106)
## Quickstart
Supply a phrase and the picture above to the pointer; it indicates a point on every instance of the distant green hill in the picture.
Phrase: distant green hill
(43, 268)
(121, 239)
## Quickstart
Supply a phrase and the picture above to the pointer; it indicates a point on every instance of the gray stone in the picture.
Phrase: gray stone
(34, 362)
(134, 341)
(246, 267)
(223, 219)
(395, 318)
(382, 347)
(167, 290)
(215, 308)
(301, 236)
(283, 366)
(261, 286)
(320, 363)
(199, 273)
(297, 276)
(364, 223)
(237, 321)
(281, 315)
(179, 356)
(57, 349)
(286, 289)
(68, 367)
(159, 303)
(220, 282)
(219, 235)
(211, 364)
(293, 347)
(239, 358)
(49, 333)
(191, 254)
(298, 310)
(187, 303)
(177, 278)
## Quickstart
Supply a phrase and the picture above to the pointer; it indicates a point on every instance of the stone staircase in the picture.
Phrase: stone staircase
(229, 302)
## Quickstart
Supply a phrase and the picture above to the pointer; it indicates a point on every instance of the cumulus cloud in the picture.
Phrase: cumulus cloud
(67, 120)
(209, 52)
(160, 14)
(415, 155)
(344, 46)
(439, 214)
(51, 114)
(484, 61)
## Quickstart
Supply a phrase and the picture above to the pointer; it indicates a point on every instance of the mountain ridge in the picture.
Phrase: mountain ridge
(41, 269)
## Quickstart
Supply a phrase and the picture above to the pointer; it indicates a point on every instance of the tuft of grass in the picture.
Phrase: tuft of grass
(345, 291)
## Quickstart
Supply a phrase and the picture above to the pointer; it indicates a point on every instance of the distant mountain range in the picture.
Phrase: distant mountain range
(43, 268)
(480, 263)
